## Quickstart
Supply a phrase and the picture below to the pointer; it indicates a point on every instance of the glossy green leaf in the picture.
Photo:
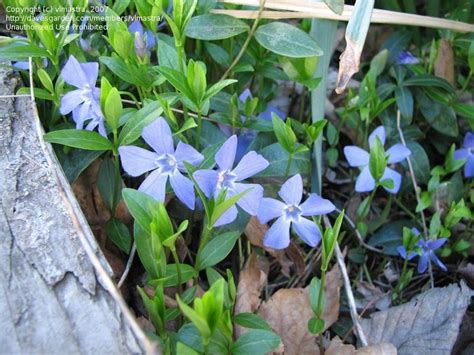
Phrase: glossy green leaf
(287, 40)
(119, 234)
(216, 250)
(256, 342)
(215, 27)
(429, 80)
(139, 203)
(132, 130)
(79, 138)
(251, 321)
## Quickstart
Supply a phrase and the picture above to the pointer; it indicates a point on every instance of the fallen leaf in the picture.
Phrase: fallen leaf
(288, 312)
(467, 272)
(444, 64)
(373, 297)
(337, 347)
(251, 281)
(427, 324)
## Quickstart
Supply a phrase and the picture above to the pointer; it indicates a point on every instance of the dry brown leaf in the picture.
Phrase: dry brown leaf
(444, 64)
(373, 297)
(337, 347)
(251, 281)
(288, 312)
(295, 254)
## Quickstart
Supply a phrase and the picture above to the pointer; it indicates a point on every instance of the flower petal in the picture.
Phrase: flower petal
(397, 153)
(438, 262)
(469, 167)
(422, 263)
(229, 216)
(251, 164)
(70, 101)
(137, 161)
(155, 185)
(73, 73)
(378, 132)
(250, 201)
(365, 182)
(469, 140)
(244, 95)
(356, 156)
(436, 244)
(135, 26)
(316, 205)
(91, 71)
(186, 153)
(308, 231)
(207, 181)
(225, 156)
(102, 130)
(278, 236)
(292, 190)
(183, 188)
(269, 209)
(158, 136)
(462, 153)
(396, 178)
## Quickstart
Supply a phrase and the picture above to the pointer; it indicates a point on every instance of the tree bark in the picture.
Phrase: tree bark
(56, 294)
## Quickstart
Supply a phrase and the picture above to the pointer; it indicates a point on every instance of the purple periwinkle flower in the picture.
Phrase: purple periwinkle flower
(137, 27)
(291, 213)
(84, 101)
(426, 251)
(357, 157)
(406, 58)
(165, 163)
(467, 152)
(212, 182)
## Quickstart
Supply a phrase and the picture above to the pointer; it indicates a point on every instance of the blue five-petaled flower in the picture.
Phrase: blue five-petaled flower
(426, 251)
(84, 101)
(165, 162)
(357, 157)
(467, 152)
(212, 182)
(406, 58)
(291, 213)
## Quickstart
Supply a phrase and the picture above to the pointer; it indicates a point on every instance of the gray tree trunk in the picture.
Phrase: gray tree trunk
(56, 294)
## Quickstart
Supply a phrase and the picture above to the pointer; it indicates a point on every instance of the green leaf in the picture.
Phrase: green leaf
(316, 325)
(76, 161)
(440, 116)
(222, 206)
(139, 203)
(106, 183)
(216, 88)
(289, 41)
(419, 161)
(251, 320)
(337, 6)
(119, 234)
(278, 159)
(429, 80)
(195, 318)
(283, 136)
(45, 80)
(255, 342)
(389, 237)
(132, 130)
(471, 57)
(178, 80)
(167, 54)
(182, 349)
(17, 51)
(79, 138)
(215, 27)
(216, 250)
(113, 108)
(145, 252)
(404, 99)
(378, 161)
(171, 278)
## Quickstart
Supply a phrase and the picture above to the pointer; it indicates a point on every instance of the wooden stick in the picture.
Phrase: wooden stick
(308, 9)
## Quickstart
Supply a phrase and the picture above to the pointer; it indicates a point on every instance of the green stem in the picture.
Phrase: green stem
(468, 80)
(288, 166)
(247, 41)
(199, 129)
(204, 239)
(118, 177)
(178, 269)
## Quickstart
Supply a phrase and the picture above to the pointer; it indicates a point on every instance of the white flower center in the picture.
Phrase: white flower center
(167, 164)
(292, 213)
(226, 179)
